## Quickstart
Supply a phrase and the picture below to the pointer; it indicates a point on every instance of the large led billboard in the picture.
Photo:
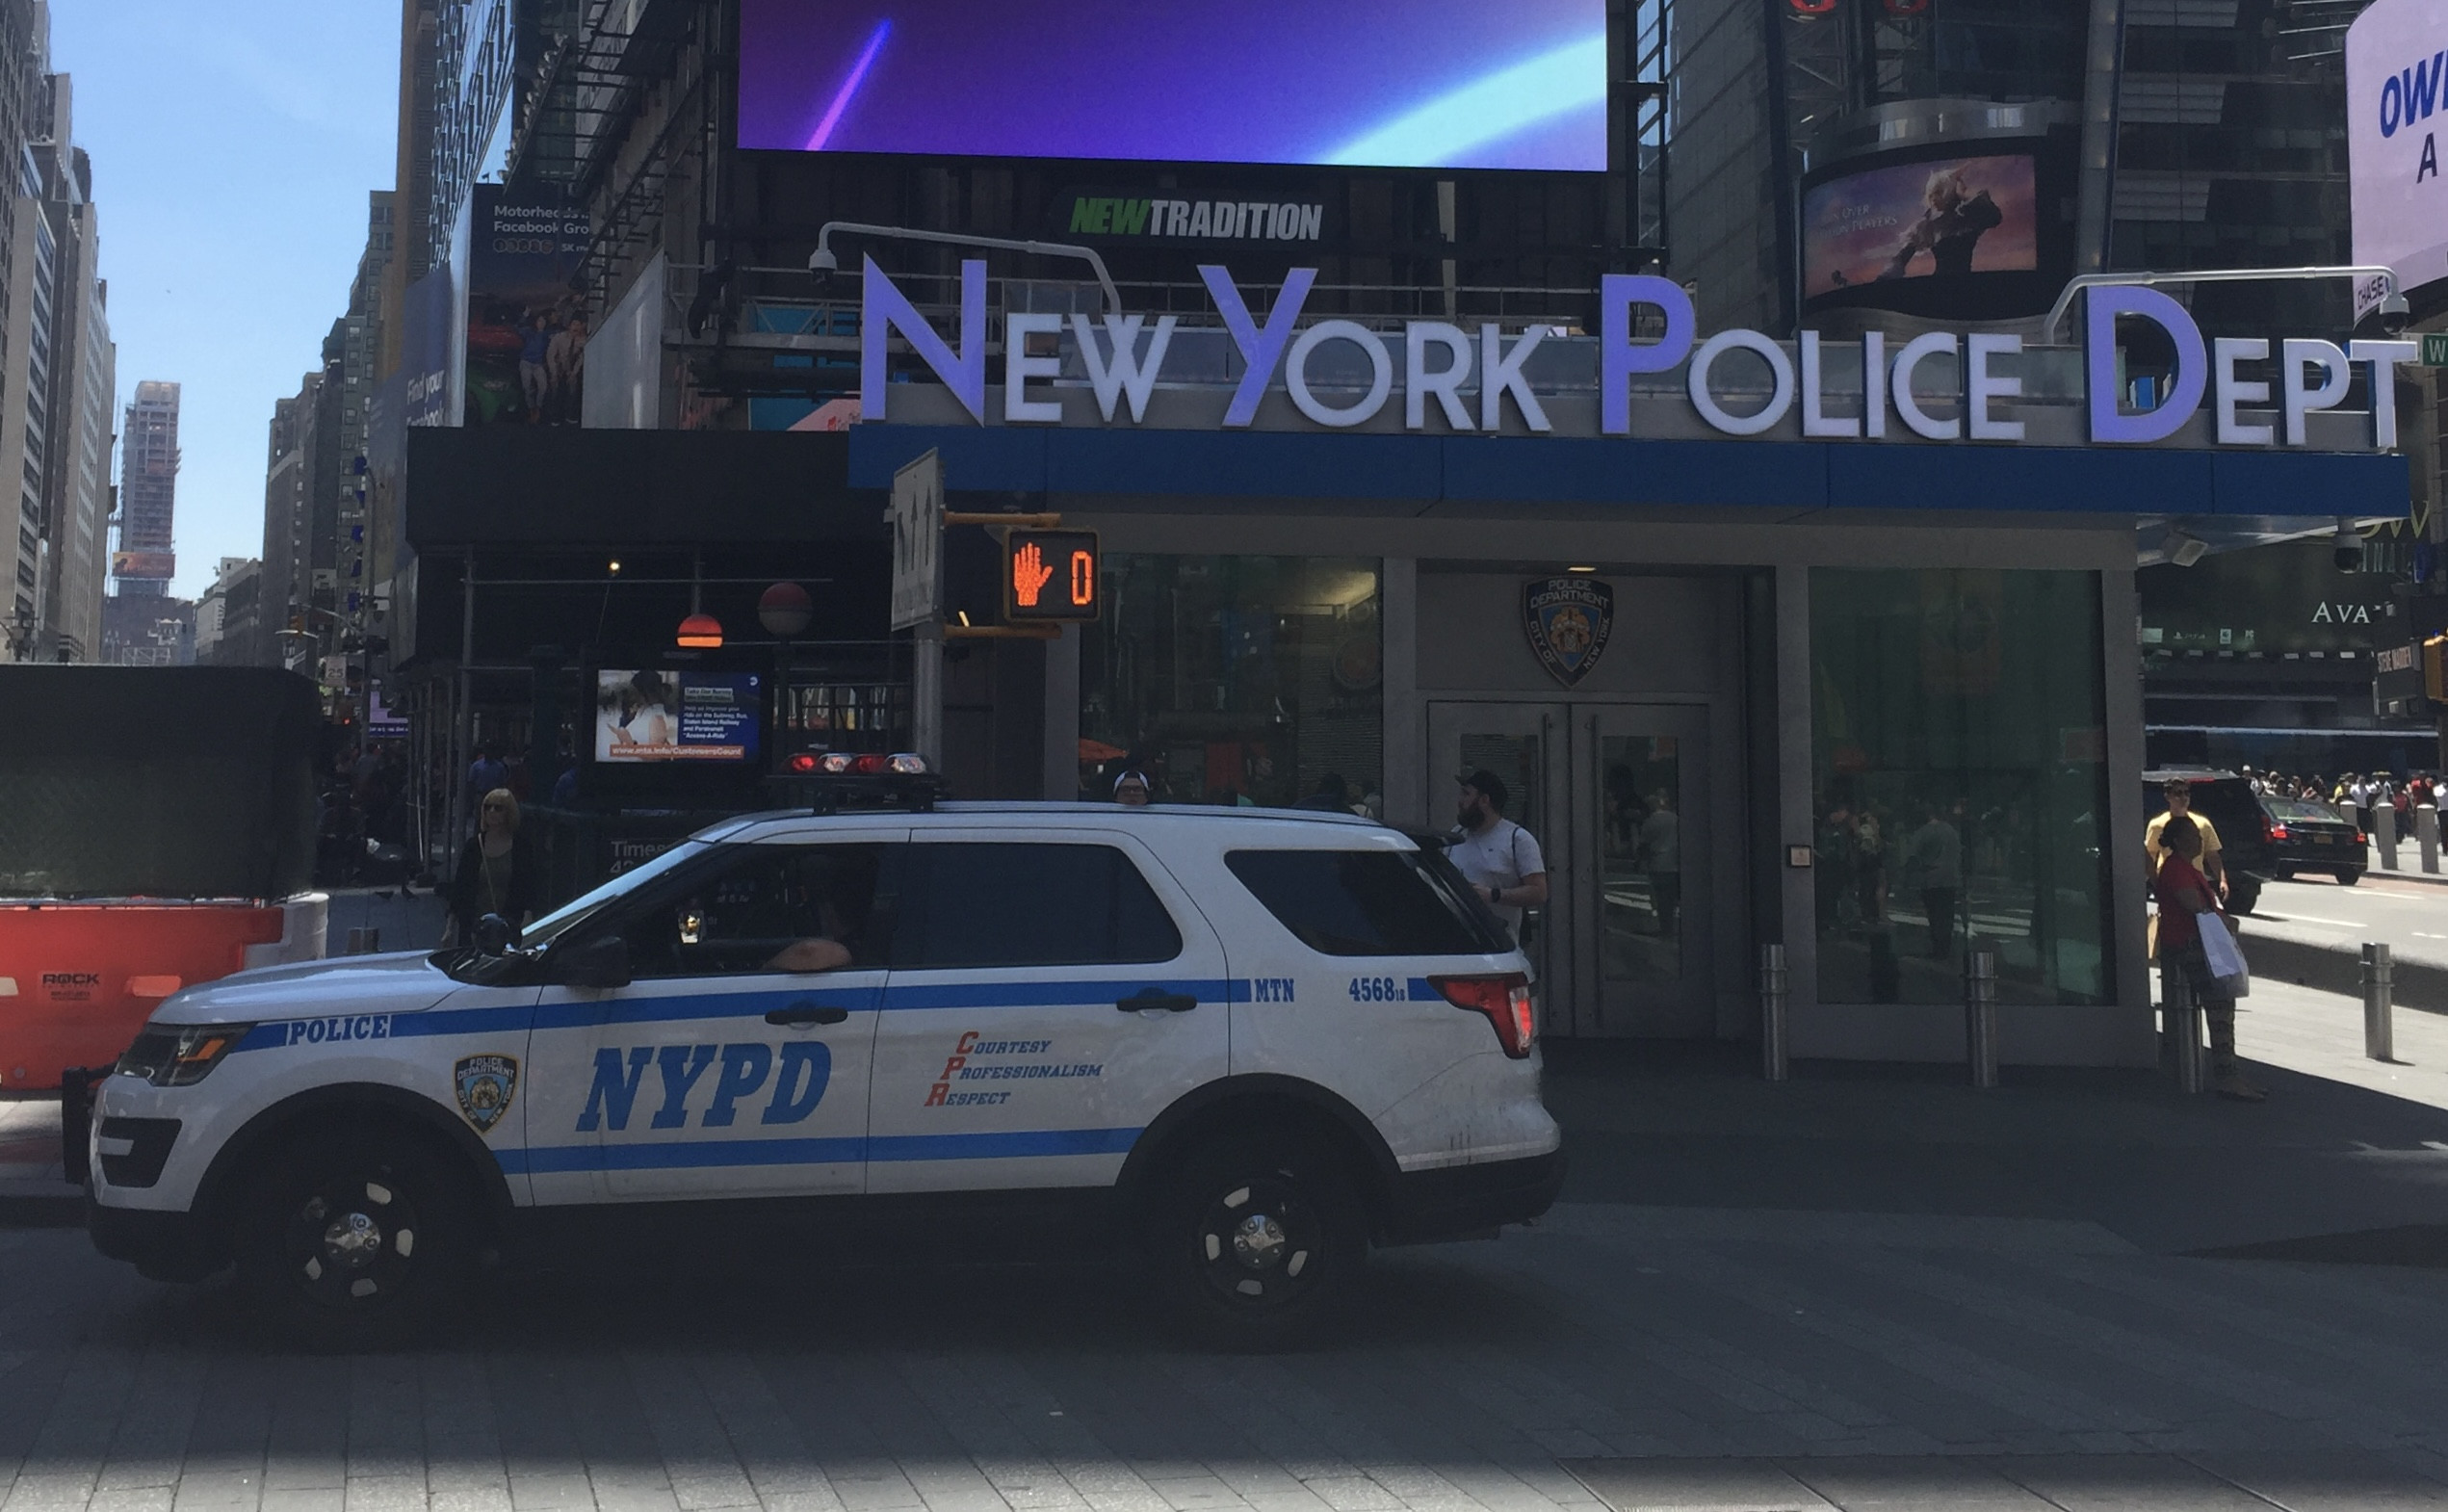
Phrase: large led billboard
(1431, 83)
(2396, 112)
(1939, 218)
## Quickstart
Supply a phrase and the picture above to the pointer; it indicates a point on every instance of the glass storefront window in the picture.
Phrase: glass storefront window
(1236, 679)
(1960, 775)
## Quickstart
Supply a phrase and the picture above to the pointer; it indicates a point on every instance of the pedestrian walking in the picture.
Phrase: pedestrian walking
(2184, 898)
(1496, 855)
(1661, 856)
(1130, 790)
(489, 771)
(1933, 857)
(497, 874)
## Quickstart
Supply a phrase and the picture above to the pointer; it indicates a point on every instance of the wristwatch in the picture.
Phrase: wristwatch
(1496, 895)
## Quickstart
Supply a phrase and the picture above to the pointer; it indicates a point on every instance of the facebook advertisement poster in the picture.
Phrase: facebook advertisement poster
(526, 325)
(1941, 219)
(653, 715)
(1432, 84)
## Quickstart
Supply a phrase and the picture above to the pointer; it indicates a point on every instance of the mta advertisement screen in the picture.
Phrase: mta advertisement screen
(651, 716)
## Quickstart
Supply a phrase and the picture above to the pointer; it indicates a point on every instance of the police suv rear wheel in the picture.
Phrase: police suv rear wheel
(353, 1243)
(1255, 1238)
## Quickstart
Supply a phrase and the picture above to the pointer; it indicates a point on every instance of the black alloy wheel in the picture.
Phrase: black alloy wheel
(1257, 1239)
(357, 1245)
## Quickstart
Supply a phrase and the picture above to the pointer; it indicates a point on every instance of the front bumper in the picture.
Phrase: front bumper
(162, 1246)
(1463, 1201)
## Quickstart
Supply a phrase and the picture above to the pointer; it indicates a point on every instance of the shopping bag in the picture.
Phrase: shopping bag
(2226, 961)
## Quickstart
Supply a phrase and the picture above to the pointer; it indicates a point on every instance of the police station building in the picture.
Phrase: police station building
(1829, 644)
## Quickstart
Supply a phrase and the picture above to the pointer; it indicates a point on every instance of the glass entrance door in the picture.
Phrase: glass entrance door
(1616, 795)
(1646, 777)
(1526, 745)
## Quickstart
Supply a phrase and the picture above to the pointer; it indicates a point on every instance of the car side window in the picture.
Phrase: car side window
(1028, 904)
(792, 908)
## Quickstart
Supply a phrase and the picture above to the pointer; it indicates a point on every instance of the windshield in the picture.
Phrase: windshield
(543, 931)
(2297, 808)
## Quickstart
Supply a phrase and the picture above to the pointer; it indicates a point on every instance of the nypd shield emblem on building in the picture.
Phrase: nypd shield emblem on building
(485, 1085)
(1568, 621)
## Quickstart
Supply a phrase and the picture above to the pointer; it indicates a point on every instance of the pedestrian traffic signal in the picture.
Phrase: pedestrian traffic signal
(1050, 576)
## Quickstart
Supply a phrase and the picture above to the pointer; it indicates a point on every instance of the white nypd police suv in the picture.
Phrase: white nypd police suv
(1256, 1041)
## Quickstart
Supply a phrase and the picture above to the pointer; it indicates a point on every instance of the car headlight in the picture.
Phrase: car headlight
(179, 1055)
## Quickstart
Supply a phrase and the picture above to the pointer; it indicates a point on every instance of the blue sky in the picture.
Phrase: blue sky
(233, 147)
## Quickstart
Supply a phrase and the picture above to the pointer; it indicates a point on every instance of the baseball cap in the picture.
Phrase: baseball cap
(1486, 782)
(1134, 775)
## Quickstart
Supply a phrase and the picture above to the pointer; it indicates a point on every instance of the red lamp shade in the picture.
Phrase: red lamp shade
(785, 610)
(701, 633)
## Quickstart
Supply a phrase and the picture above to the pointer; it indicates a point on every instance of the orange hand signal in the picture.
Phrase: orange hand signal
(1030, 575)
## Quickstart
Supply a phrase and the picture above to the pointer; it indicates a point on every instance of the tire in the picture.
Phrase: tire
(355, 1243)
(1254, 1241)
(2282, 874)
(2348, 876)
(2244, 892)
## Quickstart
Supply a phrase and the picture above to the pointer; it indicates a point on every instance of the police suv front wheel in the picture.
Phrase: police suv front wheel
(1253, 1240)
(354, 1241)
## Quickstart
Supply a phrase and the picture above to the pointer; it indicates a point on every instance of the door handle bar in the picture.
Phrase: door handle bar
(1168, 1002)
(799, 1015)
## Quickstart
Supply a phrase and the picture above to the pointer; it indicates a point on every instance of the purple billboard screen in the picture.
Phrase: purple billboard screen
(1364, 84)
(1919, 221)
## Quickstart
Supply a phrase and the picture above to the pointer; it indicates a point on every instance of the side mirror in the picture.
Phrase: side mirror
(494, 934)
(599, 963)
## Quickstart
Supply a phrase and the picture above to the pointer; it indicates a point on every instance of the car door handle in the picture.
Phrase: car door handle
(799, 1015)
(1168, 1002)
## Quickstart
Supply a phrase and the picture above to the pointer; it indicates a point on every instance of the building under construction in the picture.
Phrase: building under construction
(149, 493)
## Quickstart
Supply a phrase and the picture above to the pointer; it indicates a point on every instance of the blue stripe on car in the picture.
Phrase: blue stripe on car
(685, 1155)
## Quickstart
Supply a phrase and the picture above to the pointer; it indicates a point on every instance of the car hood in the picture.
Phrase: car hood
(402, 982)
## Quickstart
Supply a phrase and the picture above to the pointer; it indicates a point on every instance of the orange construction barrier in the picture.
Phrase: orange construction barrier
(77, 980)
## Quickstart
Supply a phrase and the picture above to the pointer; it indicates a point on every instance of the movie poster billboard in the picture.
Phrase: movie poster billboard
(526, 325)
(1943, 218)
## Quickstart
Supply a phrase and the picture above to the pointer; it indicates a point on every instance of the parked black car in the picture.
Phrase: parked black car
(2228, 802)
(2312, 837)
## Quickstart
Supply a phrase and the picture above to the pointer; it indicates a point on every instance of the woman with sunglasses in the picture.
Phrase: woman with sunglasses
(496, 873)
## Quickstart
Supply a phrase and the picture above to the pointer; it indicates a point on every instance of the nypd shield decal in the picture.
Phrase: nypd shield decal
(1568, 621)
(486, 1084)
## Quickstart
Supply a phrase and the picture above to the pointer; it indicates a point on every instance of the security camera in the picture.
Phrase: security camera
(2395, 315)
(824, 264)
(2345, 547)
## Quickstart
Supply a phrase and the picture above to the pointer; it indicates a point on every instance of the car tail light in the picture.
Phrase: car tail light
(1505, 1000)
(2362, 839)
(2277, 831)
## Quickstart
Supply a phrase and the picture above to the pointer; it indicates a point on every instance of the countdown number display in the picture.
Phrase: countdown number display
(1050, 576)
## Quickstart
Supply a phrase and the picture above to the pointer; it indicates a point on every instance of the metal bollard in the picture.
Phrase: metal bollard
(2385, 834)
(2183, 1030)
(1980, 1014)
(1772, 1012)
(2380, 1029)
(2426, 835)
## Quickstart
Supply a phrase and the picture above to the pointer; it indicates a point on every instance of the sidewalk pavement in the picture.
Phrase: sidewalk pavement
(1869, 1287)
